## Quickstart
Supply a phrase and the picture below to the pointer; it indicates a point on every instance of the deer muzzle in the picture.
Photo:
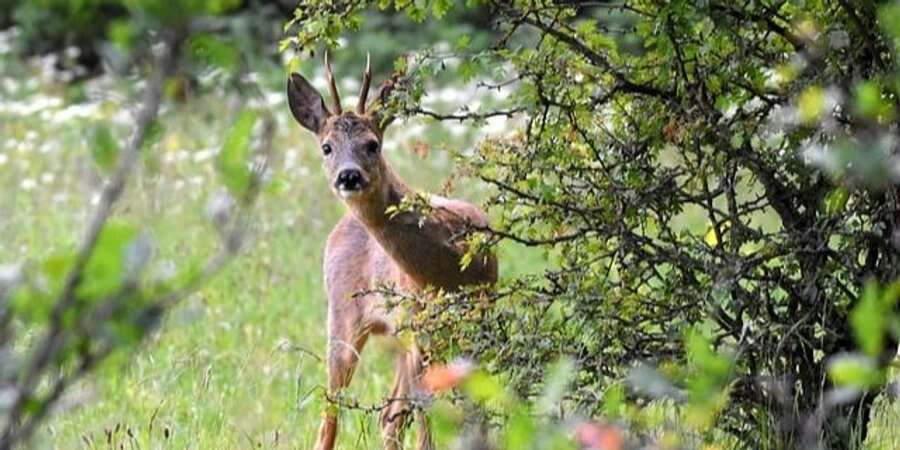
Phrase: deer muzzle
(350, 181)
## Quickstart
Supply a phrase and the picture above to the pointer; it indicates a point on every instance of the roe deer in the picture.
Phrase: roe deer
(367, 248)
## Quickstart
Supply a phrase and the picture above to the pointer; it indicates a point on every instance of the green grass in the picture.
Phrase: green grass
(238, 365)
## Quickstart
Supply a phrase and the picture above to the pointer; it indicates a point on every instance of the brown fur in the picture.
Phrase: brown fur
(368, 249)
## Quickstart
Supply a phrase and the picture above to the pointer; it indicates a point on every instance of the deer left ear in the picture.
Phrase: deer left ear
(306, 104)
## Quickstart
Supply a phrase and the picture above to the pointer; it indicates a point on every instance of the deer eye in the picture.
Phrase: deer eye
(326, 149)
(371, 147)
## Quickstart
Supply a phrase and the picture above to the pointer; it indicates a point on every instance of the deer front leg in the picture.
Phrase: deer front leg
(395, 416)
(343, 356)
(423, 438)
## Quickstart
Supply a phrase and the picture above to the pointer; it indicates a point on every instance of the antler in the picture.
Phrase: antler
(329, 76)
(364, 90)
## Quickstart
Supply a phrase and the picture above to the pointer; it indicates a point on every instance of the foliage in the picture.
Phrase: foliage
(63, 315)
(88, 32)
(736, 173)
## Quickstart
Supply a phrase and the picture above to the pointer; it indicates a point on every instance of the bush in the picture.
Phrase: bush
(729, 174)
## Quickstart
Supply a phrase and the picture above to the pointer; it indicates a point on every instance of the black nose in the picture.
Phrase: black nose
(350, 180)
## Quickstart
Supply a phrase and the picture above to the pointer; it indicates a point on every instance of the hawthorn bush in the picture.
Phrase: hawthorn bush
(724, 171)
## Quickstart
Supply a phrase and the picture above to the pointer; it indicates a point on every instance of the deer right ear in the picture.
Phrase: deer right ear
(306, 104)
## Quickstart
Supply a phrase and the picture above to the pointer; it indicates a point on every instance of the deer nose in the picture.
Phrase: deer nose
(350, 180)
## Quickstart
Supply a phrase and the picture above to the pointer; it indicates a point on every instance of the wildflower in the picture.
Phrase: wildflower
(439, 378)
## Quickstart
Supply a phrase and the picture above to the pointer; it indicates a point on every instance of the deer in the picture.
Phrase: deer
(378, 244)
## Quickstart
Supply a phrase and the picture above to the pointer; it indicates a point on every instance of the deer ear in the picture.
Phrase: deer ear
(306, 104)
(378, 106)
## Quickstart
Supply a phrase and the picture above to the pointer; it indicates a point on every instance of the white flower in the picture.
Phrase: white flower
(274, 99)
(10, 84)
(47, 178)
(78, 111)
(3, 158)
(28, 184)
(203, 155)
(72, 52)
(290, 158)
(496, 125)
(457, 129)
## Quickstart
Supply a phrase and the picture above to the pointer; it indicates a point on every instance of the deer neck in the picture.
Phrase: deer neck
(371, 210)
(422, 247)
(411, 246)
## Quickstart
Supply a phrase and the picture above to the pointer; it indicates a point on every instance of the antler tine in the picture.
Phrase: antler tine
(364, 90)
(329, 77)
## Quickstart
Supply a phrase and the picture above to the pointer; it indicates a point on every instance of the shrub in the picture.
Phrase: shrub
(733, 172)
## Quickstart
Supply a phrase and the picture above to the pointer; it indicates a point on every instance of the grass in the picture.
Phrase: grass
(237, 365)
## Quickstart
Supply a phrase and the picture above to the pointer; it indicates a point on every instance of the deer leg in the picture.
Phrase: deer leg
(423, 438)
(395, 416)
(423, 435)
(343, 356)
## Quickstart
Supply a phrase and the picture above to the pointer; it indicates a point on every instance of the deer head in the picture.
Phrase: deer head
(350, 141)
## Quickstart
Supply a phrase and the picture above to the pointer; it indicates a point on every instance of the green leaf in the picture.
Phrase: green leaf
(811, 104)
(31, 305)
(104, 147)
(122, 34)
(870, 102)
(869, 320)
(707, 384)
(520, 432)
(277, 185)
(234, 159)
(463, 42)
(613, 400)
(889, 18)
(711, 238)
(105, 269)
(484, 389)
(737, 140)
(854, 370)
(836, 200)
(439, 8)
(444, 420)
(151, 160)
(214, 50)
(468, 69)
